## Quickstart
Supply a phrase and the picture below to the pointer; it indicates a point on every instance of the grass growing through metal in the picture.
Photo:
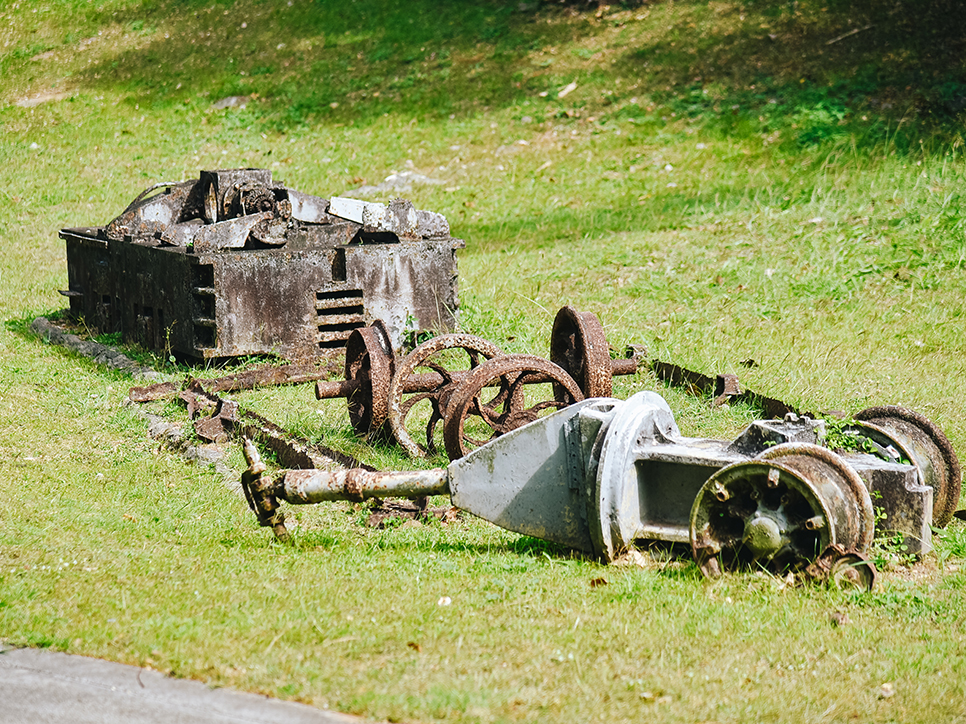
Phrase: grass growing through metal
(821, 235)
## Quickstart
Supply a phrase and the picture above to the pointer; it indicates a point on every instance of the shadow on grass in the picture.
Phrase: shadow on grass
(806, 70)
(325, 62)
(812, 71)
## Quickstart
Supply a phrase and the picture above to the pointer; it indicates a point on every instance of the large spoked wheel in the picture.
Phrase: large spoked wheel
(578, 345)
(930, 450)
(424, 381)
(370, 362)
(503, 394)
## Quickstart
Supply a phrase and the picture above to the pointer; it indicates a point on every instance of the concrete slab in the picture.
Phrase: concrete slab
(47, 687)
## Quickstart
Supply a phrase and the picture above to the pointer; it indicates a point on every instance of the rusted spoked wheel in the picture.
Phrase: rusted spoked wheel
(429, 375)
(928, 448)
(779, 511)
(370, 361)
(493, 400)
(578, 345)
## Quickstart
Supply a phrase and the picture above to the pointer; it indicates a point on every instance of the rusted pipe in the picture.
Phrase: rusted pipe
(317, 486)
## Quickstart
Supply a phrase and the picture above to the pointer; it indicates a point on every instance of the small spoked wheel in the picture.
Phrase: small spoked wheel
(424, 381)
(503, 394)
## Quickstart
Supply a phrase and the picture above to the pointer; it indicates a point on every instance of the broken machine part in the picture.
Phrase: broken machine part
(602, 475)
(234, 264)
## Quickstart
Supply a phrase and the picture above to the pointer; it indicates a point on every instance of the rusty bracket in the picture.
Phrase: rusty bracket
(843, 568)
(258, 492)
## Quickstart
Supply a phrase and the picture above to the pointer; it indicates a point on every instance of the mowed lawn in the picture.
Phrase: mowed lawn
(718, 181)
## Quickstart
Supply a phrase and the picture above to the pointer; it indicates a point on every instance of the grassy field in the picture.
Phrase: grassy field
(716, 180)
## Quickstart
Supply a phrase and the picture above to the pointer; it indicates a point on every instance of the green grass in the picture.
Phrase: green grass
(710, 191)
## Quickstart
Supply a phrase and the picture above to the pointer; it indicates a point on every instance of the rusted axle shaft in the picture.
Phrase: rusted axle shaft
(318, 486)
(302, 487)
(429, 381)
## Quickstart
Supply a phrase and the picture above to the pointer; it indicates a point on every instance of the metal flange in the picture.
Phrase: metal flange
(779, 511)
(370, 362)
(928, 448)
(614, 506)
(578, 345)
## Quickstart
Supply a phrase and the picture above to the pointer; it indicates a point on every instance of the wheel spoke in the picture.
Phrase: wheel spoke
(507, 409)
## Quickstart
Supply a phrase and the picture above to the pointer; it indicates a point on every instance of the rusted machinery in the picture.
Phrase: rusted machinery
(468, 384)
(234, 264)
(602, 475)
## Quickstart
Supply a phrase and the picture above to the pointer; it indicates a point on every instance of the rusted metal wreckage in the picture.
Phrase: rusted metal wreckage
(470, 388)
(457, 389)
(234, 264)
(597, 474)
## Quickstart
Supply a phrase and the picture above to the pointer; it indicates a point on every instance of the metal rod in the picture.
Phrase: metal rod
(430, 381)
(315, 486)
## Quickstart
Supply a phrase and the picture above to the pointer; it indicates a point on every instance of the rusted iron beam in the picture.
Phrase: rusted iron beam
(428, 381)
(228, 420)
(264, 376)
(724, 388)
(157, 391)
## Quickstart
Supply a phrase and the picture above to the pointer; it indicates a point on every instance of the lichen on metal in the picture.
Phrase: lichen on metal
(234, 264)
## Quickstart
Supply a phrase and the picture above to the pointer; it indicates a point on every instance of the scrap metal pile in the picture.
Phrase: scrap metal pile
(554, 456)
(233, 264)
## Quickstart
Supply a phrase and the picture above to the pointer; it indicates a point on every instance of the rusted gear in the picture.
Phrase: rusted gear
(431, 355)
(779, 509)
(507, 407)
(369, 361)
(926, 446)
(578, 345)
(248, 197)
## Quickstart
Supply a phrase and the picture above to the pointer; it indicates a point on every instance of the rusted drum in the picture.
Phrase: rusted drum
(496, 395)
(779, 511)
(852, 571)
(578, 345)
(369, 361)
(925, 445)
(450, 357)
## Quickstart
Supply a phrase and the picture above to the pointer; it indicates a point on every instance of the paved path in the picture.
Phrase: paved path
(47, 687)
